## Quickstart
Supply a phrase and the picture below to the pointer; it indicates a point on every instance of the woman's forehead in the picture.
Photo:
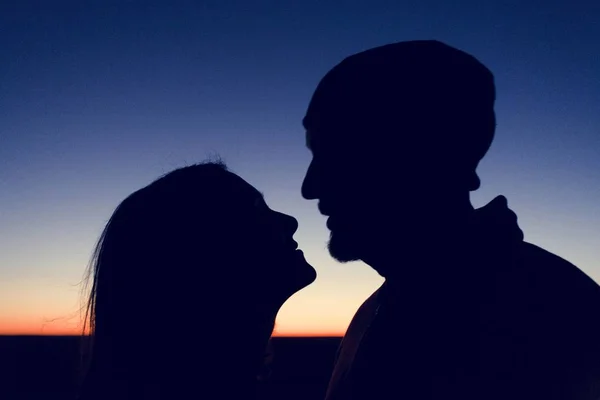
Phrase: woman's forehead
(243, 189)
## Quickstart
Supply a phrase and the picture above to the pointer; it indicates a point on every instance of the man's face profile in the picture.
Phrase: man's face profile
(351, 187)
(396, 133)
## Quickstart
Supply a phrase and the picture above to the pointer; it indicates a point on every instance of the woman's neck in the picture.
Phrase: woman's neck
(252, 340)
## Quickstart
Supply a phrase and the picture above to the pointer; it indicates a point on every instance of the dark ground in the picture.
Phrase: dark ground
(45, 367)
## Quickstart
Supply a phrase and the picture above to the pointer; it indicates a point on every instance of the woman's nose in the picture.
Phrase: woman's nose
(290, 223)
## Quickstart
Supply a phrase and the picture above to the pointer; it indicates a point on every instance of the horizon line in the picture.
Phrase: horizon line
(288, 335)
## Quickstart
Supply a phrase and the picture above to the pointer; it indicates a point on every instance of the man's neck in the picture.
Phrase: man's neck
(428, 247)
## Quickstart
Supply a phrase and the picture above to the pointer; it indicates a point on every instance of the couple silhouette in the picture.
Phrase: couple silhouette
(190, 271)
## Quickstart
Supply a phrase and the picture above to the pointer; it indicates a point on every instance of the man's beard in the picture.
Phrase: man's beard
(380, 253)
(344, 247)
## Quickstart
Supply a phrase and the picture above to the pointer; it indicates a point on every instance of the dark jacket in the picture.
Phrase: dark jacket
(503, 320)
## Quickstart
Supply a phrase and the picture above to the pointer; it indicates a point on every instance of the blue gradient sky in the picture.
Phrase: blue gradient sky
(97, 100)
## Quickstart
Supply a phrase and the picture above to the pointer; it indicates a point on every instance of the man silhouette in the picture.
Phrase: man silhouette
(468, 309)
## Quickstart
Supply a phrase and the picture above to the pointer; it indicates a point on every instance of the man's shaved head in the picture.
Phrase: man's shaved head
(396, 133)
(418, 93)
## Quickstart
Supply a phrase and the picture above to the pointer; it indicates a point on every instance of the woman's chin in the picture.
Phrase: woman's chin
(304, 281)
(305, 272)
(301, 275)
(293, 274)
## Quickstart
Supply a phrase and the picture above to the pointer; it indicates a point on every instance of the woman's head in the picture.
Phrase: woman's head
(196, 253)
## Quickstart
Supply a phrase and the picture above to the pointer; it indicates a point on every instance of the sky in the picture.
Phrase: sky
(97, 99)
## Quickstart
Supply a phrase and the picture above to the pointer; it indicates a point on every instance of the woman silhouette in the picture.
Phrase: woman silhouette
(187, 278)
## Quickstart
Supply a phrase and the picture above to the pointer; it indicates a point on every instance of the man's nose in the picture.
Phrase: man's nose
(309, 185)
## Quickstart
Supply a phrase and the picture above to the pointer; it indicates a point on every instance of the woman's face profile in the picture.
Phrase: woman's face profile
(266, 243)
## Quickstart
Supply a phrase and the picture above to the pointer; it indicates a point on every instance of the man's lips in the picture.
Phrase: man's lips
(329, 223)
(323, 210)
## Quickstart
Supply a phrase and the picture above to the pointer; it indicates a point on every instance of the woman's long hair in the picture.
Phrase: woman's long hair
(153, 270)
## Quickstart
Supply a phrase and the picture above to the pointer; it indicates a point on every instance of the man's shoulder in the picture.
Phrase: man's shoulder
(559, 284)
(367, 309)
(556, 272)
(570, 300)
(358, 325)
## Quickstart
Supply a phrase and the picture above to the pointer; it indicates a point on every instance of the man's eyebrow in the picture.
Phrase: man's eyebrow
(304, 122)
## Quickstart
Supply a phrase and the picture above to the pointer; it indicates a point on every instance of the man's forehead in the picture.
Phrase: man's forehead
(318, 139)
(334, 134)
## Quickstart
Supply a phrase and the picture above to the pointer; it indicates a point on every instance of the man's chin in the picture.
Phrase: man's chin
(343, 249)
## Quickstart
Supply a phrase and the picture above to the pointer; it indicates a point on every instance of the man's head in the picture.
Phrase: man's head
(394, 131)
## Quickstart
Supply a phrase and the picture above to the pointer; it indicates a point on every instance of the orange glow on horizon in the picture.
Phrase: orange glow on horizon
(278, 332)
(76, 333)
(23, 330)
(309, 334)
